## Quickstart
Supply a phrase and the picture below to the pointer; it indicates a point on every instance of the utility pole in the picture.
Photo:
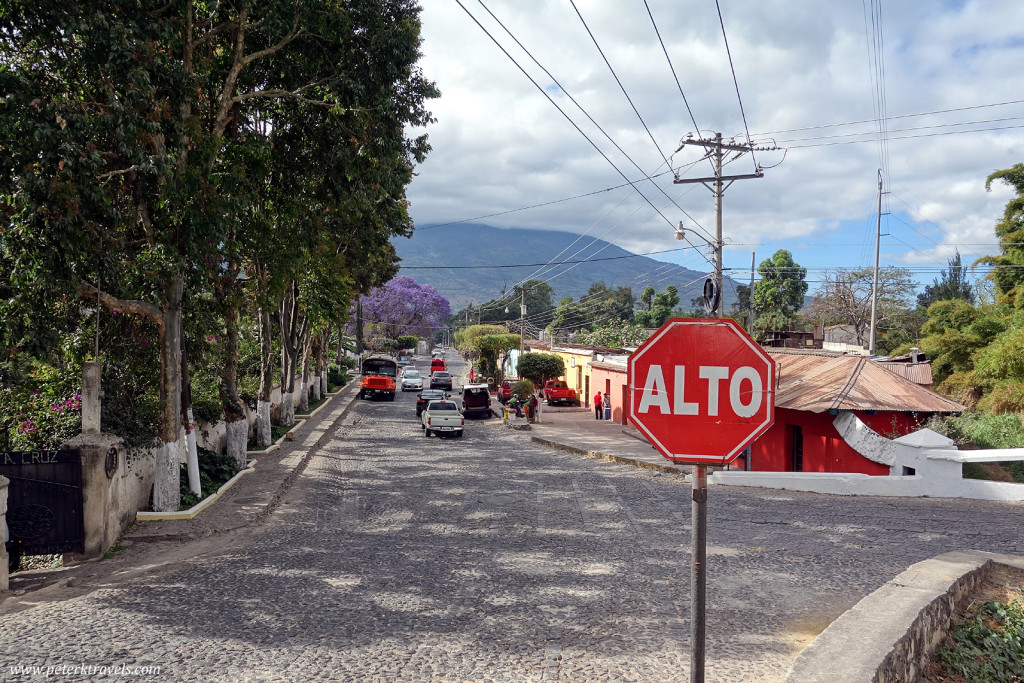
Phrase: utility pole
(874, 282)
(718, 188)
(522, 322)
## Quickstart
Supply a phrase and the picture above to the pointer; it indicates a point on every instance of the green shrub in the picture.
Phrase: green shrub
(214, 471)
(988, 645)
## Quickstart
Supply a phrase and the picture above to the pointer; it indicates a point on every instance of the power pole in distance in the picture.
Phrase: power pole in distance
(716, 146)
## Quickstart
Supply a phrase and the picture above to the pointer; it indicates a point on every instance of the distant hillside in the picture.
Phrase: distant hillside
(470, 244)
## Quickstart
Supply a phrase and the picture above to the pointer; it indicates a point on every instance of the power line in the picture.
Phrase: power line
(906, 137)
(533, 265)
(621, 87)
(672, 68)
(567, 117)
(890, 118)
(736, 83)
(537, 206)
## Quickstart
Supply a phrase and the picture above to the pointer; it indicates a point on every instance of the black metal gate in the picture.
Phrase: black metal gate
(44, 501)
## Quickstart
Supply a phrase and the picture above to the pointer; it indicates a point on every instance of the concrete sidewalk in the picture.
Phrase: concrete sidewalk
(575, 430)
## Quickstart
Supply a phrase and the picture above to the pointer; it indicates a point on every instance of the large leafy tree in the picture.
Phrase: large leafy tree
(952, 283)
(1008, 273)
(779, 293)
(540, 367)
(119, 126)
(661, 305)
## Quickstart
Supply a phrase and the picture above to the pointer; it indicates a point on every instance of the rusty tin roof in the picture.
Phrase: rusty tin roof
(819, 382)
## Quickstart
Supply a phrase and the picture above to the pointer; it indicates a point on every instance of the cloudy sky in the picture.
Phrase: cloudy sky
(812, 76)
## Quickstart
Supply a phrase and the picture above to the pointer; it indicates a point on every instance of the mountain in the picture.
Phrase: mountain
(475, 257)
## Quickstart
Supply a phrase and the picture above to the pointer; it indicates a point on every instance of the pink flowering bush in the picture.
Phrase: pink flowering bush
(42, 413)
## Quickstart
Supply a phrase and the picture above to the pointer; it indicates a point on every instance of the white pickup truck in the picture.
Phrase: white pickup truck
(442, 417)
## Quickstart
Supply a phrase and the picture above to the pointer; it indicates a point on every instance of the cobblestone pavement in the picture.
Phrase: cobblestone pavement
(399, 557)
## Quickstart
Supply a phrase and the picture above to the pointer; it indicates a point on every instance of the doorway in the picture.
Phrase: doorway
(797, 448)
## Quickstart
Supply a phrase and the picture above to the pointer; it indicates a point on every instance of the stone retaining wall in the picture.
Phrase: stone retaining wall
(891, 634)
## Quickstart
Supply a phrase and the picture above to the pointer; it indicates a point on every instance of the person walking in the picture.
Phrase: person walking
(540, 402)
(598, 406)
(531, 412)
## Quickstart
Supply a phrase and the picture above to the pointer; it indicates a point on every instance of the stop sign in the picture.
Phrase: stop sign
(701, 390)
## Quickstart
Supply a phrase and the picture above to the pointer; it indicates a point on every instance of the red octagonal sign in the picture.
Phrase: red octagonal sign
(701, 390)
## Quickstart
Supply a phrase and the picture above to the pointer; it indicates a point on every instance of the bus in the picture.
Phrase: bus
(378, 378)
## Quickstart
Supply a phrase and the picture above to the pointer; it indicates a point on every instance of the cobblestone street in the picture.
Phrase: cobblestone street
(399, 557)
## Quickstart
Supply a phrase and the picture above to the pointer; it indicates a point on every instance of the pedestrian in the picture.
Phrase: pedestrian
(540, 403)
(607, 403)
(598, 406)
(532, 410)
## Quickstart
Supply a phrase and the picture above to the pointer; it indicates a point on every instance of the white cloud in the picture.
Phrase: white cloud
(500, 145)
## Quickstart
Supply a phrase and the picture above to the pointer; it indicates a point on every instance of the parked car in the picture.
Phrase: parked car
(476, 398)
(426, 396)
(411, 379)
(403, 361)
(505, 390)
(556, 391)
(441, 380)
(442, 418)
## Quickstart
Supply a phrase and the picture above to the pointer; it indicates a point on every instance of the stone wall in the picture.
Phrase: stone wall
(891, 634)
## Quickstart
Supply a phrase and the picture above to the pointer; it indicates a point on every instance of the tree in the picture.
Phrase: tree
(740, 308)
(402, 306)
(540, 367)
(952, 284)
(1008, 273)
(779, 294)
(122, 129)
(845, 299)
(661, 306)
(621, 335)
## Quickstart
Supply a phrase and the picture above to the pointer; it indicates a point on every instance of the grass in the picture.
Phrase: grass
(277, 431)
(313, 405)
(985, 431)
(114, 551)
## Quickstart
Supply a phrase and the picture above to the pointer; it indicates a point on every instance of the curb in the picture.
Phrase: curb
(667, 469)
(144, 516)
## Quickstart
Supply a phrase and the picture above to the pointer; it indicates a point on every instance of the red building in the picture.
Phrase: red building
(813, 388)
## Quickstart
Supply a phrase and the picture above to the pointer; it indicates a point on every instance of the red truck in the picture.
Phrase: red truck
(556, 392)
(378, 378)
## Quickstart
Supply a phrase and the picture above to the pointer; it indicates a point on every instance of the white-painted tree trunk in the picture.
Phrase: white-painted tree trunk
(166, 486)
(287, 409)
(237, 438)
(193, 455)
(263, 435)
(315, 386)
(323, 382)
(303, 397)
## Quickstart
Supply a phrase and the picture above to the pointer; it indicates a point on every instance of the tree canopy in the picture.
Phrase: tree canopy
(779, 293)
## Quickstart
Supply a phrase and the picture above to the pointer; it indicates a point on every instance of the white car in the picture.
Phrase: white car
(411, 380)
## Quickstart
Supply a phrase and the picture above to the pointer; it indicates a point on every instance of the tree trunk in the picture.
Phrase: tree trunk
(317, 362)
(190, 424)
(166, 487)
(291, 334)
(307, 347)
(263, 435)
(234, 409)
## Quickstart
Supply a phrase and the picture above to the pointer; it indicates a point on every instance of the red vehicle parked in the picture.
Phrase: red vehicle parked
(505, 390)
(557, 391)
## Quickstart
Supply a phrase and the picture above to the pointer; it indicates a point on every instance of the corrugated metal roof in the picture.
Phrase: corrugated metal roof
(817, 383)
(919, 373)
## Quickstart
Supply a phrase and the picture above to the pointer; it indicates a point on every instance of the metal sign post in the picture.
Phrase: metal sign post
(698, 571)
(700, 390)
